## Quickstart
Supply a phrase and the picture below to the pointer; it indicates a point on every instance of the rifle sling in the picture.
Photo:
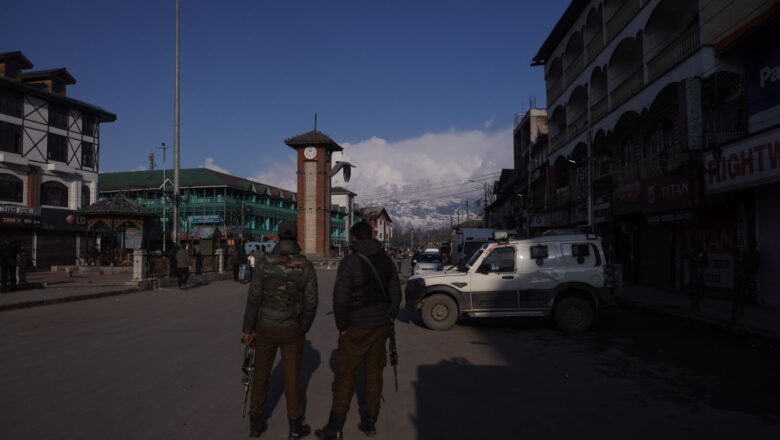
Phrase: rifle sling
(376, 275)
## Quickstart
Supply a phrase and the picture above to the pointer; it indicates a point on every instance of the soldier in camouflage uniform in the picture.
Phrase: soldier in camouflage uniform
(280, 309)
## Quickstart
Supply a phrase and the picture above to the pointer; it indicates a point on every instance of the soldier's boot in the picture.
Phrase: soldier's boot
(298, 429)
(257, 426)
(333, 430)
(368, 424)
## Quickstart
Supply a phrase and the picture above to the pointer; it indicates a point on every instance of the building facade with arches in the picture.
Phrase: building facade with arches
(645, 100)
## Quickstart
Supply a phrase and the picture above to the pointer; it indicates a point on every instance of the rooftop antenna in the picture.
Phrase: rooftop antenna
(152, 163)
(315, 121)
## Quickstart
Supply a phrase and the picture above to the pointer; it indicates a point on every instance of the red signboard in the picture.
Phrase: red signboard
(667, 193)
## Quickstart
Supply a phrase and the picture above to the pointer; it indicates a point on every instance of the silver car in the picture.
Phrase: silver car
(428, 262)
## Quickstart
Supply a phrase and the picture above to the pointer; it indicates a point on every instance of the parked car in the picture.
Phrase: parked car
(428, 262)
(563, 276)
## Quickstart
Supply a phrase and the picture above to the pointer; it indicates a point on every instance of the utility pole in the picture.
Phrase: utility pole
(176, 145)
(164, 196)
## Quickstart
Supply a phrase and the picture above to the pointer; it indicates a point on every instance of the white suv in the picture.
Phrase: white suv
(564, 276)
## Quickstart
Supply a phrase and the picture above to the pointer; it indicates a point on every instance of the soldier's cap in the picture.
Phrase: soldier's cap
(288, 229)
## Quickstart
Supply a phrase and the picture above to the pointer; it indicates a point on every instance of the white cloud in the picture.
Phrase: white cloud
(431, 164)
(209, 163)
(489, 123)
(140, 168)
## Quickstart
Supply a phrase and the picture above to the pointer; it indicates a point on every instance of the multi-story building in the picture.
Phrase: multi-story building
(49, 160)
(511, 208)
(215, 203)
(210, 201)
(381, 223)
(639, 94)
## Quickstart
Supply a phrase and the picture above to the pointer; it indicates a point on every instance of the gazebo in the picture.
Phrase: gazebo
(113, 216)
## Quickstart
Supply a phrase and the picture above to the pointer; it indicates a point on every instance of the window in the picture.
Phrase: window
(87, 155)
(502, 259)
(88, 124)
(57, 148)
(11, 103)
(10, 138)
(54, 194)
(11, 188)
(58, 116)
(84, 196)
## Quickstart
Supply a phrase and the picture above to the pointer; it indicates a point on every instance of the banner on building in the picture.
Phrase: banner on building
(743, 164)
(762, 72)
(667, 193)
(204, 219)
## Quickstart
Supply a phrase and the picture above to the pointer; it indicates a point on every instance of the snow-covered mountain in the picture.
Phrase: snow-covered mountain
(428, 213)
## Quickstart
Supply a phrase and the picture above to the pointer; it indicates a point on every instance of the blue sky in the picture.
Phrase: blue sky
(254, 72)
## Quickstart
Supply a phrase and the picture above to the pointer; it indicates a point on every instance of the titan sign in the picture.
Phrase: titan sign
(746, 163)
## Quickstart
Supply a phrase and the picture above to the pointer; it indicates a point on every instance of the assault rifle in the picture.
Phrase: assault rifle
(393, 353)
(248, 369)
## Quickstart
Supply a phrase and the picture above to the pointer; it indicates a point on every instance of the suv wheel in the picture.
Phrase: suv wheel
(574, 314)
(439, 312)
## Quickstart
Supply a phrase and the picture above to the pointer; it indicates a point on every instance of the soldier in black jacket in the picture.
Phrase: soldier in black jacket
(363, 317)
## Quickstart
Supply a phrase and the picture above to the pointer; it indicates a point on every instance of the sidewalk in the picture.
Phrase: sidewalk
(716, 312)
(45, 288)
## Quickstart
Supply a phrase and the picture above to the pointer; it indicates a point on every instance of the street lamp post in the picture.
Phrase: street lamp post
(176, 146)
(164, 197)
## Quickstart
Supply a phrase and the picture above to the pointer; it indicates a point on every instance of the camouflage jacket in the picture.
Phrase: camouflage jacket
(283, 290)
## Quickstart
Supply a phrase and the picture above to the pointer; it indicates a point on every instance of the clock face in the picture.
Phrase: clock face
(310, 153)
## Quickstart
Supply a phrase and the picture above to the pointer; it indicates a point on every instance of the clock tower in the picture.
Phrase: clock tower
(314, 151)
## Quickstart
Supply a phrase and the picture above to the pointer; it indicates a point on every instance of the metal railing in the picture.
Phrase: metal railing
(558, 140)
(555, 90)
(578, 125)
(627, 88)
(594, 47)
(679, 49)
(599, 109)
(621, 17)
(574, 68)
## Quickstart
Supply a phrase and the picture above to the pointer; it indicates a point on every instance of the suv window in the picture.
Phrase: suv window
(501, 259)
(579, 254)
(429, 258)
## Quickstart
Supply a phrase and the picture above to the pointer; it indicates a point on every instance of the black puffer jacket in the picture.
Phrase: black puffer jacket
(357, 298)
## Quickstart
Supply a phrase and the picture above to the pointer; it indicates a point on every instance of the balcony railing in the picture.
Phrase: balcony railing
(599, 109)
(578, 125)
(621, 17)
(558, 140)
(555, 90)
(676, 51)
(627, 88)
(594, 47)
(574, 68)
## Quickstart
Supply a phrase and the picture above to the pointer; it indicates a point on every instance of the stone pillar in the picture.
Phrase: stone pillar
(221, 260)
(139, 265)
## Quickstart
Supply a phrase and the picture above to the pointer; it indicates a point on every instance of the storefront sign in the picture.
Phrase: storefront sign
(19, 210)
(19, 220)
(746, 163)
(62, 220)
(671, 218)
(720, 272)
(660, 194)
(201, 219)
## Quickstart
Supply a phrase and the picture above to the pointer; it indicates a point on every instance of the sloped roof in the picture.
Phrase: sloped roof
(555, 37)
(117, 206)
(341, 190)
(374, 212)
(313, 138)
(16, 56)
(61, 73)
(103, 115)
(188, 178)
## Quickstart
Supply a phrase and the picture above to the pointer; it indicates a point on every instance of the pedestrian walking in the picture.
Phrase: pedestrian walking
(183, 266)
(9, 254)
(198, 262)
(238, 257)
(280, 309)
(363, 316)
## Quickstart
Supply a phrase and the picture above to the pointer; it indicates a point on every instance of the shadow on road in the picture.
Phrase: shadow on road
(310, 361)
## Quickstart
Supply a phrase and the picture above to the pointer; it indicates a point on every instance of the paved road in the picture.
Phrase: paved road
(165, 364)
